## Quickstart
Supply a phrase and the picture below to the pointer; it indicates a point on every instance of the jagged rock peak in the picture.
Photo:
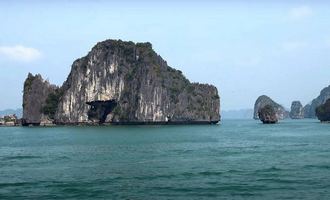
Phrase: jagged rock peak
(36, 91)
(264, 100)
(297, 110)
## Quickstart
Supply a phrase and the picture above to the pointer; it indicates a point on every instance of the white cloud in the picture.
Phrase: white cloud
(20, 53)
(300, 12)
(294, 46)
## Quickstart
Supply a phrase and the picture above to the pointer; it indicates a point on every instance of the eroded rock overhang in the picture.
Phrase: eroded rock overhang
(100, 111)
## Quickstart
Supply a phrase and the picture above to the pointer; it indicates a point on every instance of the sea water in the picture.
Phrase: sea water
(238, 159)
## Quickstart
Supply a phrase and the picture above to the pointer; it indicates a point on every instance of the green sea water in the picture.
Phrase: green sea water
(239, 159)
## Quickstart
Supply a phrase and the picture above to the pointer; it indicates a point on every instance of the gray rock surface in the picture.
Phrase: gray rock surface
(124, 82)
(264, 100)
(268, 115)
(323, 112)
(297, 110)
(36, 91)
(307, 111)
(321, 99)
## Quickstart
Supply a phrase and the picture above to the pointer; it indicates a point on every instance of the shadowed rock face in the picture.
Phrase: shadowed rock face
(99, 110)
(124, 82)
(323, 112)
(297, 110)
(267, 115)
(36, 91)
(264, 100)
(309, 109)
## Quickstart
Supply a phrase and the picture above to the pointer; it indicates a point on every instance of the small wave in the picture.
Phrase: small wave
(63, 158)
(2, 185)
(19, 157)
(270, 169)
(317, 166)
(279, 181)
(154, 177)
(187, 174)
(233, 171)
(210, 173)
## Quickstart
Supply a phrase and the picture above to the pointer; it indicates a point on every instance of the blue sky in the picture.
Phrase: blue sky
(275, 48)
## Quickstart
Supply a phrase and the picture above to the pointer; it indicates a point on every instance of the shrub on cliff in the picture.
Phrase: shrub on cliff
(52, 103)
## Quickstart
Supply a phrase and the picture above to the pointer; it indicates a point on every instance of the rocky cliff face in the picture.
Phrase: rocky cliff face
(268, 115)
(124, 82)
(264, 100)
(36, 91)
(321, 99)
(307, 111)
(323, 112)
(297, 110)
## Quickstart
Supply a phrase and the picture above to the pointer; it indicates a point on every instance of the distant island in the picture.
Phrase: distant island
(237, 114)
(120, 83)
(276, 108)
(18, 112)
(310, 109)
(323, 112)
(268, 111)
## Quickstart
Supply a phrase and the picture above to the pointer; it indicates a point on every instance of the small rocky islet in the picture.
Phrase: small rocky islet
(297, 110)
(318, 108)
(263, 101)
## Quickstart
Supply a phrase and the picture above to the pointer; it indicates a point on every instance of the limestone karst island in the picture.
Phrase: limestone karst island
(120, 82)
(165, 100)
(269, 112)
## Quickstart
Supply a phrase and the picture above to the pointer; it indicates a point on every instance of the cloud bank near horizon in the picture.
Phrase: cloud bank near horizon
(20, 53)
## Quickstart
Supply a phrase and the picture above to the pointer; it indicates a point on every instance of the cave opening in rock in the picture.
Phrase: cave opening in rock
(99, 110)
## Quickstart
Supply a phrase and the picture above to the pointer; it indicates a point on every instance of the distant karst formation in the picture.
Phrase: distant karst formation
(297, 110)
(323, 112)
(120, 83)
(309, 109)
(263, 101)
(268, 115)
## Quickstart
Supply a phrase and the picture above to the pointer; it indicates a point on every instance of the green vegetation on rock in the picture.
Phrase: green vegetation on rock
(28, 82)
(51, 103)
(323, 111)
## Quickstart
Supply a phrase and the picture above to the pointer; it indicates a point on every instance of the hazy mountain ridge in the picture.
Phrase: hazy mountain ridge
(237, 114)
(18, 112)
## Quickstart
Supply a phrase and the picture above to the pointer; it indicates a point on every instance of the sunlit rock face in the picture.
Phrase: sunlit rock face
(297, 110)
(309, 109)
(264, 100)
(140, 85)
